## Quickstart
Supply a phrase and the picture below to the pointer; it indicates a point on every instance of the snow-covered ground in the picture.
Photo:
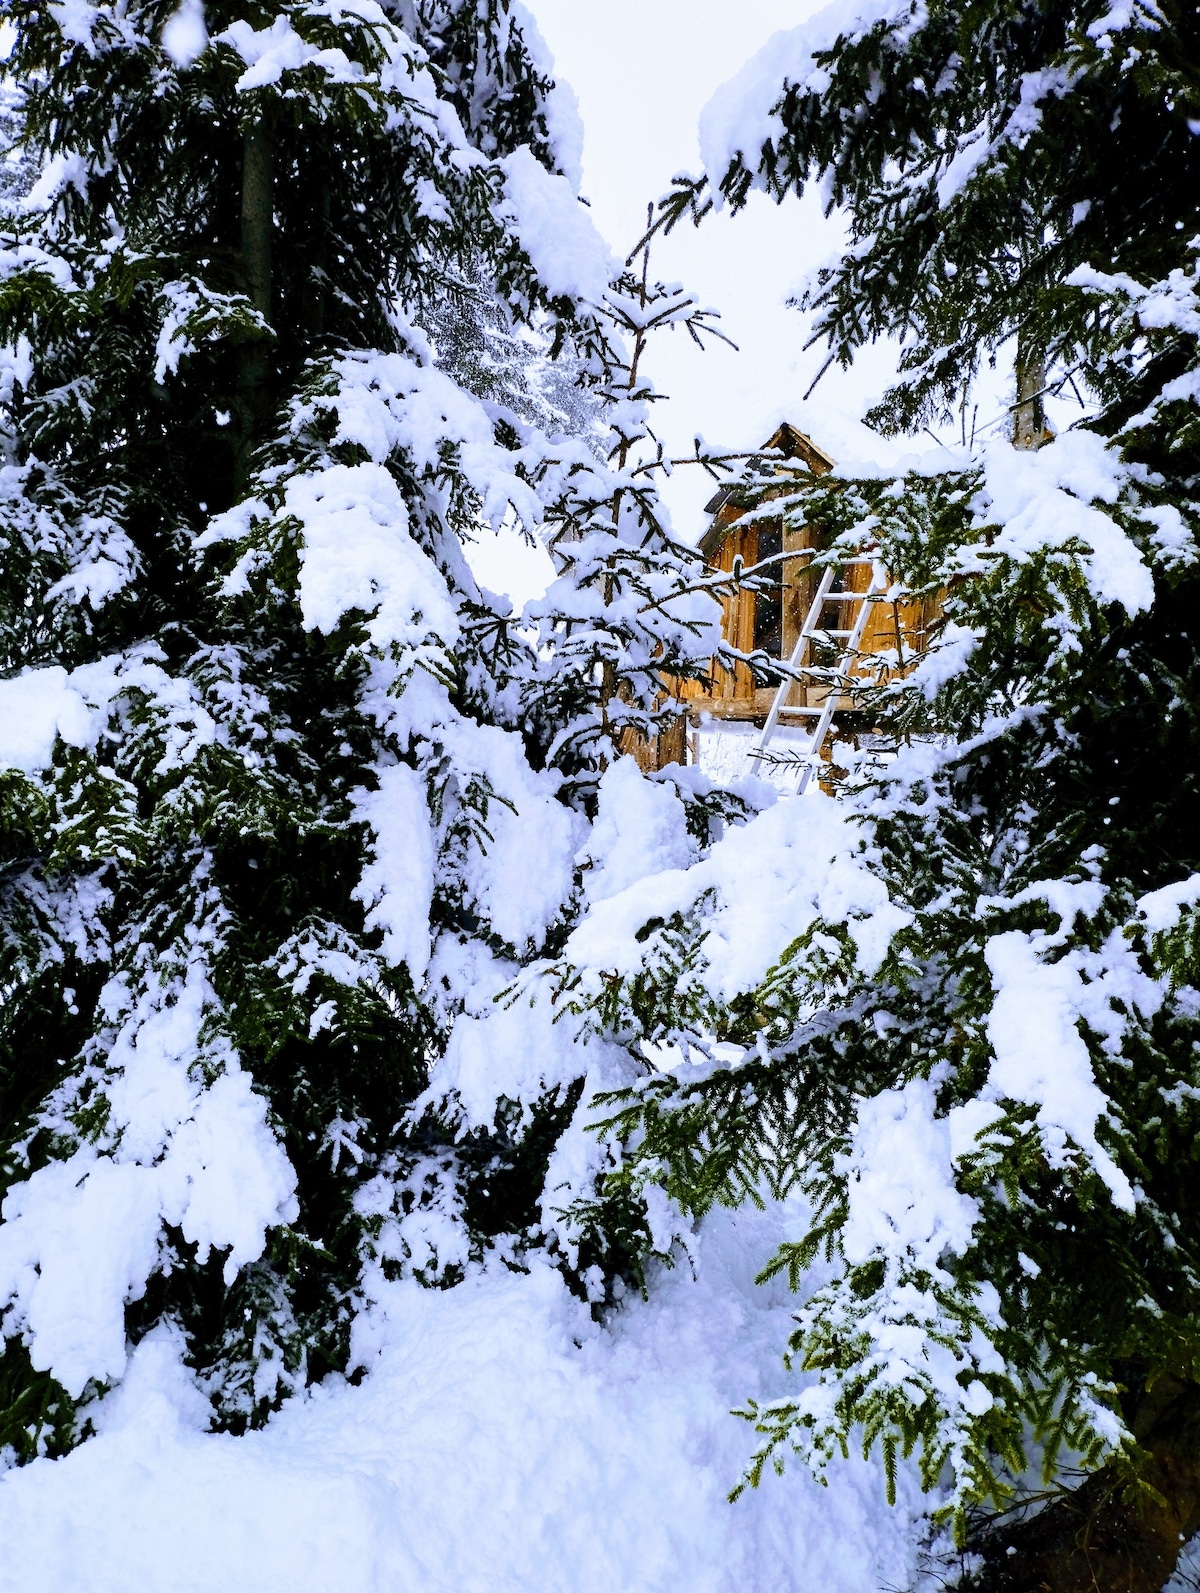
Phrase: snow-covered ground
(726, 754)
(501, 1443)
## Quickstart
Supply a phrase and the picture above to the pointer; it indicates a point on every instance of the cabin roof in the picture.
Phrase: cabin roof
(791, 444)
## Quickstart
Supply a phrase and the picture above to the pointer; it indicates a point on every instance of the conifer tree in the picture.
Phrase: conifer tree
(975, 1045)
(286, 798)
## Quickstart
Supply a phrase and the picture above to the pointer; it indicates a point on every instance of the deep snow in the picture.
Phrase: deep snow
(502, 1441)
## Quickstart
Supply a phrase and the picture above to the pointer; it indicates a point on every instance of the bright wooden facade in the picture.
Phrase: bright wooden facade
(773, 621)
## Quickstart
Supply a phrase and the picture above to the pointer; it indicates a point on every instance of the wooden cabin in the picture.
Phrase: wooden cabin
(771, 621)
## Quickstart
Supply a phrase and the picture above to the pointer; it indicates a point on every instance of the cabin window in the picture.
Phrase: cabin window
(768, 605)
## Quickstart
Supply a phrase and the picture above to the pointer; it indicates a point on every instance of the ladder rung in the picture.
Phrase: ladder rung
(840, 680)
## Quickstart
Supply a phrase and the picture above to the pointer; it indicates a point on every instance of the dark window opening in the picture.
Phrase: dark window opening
(768, 605)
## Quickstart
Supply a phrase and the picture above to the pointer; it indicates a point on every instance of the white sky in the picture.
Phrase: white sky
(642, 71)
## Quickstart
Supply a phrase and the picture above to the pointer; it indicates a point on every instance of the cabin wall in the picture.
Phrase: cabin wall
(800, 585)
(733, 694)
(899, 628)
(656, 752)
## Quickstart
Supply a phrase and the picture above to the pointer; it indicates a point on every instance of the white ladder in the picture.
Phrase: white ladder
(811, 631)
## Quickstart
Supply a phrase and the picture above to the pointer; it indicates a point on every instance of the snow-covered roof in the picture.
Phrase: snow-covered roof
(789, 443)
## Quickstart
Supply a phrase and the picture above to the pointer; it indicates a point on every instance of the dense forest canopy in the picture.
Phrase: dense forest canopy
(345, 948)
(990, 1095)
(298, 306)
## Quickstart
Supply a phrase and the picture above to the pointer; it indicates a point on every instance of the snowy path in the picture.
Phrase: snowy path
(502, 1444)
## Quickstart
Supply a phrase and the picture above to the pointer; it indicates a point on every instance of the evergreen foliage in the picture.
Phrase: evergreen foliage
(286, 798)
(982, 157)
(978, 1058)
(480, 350)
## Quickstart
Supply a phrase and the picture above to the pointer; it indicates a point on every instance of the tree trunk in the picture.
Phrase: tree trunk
(1029, 413)
(258, 159)
(1098, 1539)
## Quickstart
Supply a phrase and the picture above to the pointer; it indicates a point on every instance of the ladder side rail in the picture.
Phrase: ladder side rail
(807, 631)
(877, 586)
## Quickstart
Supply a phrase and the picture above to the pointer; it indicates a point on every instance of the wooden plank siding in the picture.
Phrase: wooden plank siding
(732, 693)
